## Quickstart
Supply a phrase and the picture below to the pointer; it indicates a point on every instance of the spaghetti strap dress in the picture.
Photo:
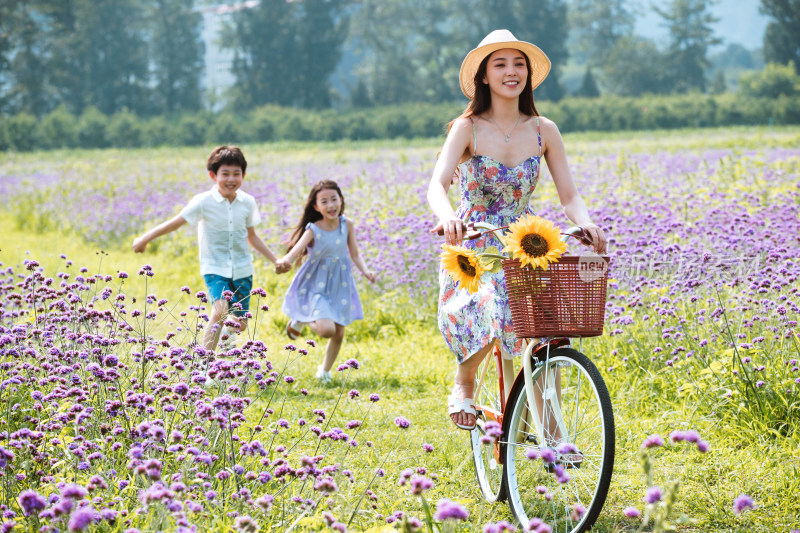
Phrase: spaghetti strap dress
(323, 286)
(497, 194)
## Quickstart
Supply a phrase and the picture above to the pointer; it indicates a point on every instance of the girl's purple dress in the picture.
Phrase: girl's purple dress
(324, 285)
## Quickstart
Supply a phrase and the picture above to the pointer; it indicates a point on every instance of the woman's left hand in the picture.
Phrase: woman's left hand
(597, 235)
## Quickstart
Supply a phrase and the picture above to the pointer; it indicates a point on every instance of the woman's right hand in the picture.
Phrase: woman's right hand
(452, 229)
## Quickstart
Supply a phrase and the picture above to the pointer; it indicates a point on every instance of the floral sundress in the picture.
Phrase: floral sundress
(494, 193)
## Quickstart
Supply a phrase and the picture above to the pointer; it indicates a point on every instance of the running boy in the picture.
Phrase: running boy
(225, 217)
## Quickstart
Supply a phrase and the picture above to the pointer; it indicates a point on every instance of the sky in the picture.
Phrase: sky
(739, 22)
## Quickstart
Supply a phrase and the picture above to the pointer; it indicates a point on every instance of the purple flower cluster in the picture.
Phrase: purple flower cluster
(691, 436)
(126, 379)
(741, 503)
(450, 510)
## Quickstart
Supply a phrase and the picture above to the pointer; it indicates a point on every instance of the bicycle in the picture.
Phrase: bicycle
(571, 419)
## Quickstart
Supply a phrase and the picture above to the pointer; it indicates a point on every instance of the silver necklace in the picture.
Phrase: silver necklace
(508, 135)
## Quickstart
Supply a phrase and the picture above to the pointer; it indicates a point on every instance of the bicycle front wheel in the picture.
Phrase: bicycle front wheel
(574, 425)
(485, 447)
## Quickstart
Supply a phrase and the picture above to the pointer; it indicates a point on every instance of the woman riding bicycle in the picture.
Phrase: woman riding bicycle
(496, 145)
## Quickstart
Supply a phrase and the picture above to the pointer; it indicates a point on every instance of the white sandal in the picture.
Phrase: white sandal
(456, 404)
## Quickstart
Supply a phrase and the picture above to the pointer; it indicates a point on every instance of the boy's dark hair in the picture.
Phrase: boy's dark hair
(226, 155)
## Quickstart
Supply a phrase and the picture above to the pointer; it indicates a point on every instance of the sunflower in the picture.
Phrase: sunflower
(463, 266)
(534, 241)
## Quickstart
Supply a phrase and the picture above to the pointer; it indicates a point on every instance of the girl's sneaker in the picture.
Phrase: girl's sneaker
(323, 375)
(294, 328)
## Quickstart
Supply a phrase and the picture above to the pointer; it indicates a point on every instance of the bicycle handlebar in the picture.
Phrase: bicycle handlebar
(471, 232)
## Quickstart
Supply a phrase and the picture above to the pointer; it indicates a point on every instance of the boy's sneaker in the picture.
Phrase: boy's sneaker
(294, 328)
(323, 375)
(227, 339)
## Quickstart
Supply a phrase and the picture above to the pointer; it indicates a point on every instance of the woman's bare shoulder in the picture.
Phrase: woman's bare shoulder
(462, 124)
(547, 124)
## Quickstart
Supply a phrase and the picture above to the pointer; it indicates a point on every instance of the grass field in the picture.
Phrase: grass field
(701, 334)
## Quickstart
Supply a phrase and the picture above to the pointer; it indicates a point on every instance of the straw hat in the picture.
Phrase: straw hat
(497, 40)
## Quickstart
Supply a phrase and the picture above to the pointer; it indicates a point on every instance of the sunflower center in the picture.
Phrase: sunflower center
(534, 245)
(465, 266)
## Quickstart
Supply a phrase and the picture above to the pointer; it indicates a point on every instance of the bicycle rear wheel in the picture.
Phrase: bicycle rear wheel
(486, 455)
(582, 417)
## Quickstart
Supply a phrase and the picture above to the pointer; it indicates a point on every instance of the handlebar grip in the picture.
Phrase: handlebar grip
(470, 233)
(579, 233)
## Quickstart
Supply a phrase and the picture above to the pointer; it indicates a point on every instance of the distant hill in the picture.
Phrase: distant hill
(739, 22)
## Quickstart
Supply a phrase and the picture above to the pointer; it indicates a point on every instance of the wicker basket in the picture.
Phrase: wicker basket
(566, 300)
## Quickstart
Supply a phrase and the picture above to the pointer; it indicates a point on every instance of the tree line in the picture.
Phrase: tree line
(146, 57)
(61, 130)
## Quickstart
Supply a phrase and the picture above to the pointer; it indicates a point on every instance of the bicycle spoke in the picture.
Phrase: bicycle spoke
(569, 412)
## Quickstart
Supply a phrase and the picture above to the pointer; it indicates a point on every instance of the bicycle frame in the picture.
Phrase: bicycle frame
(550, 393)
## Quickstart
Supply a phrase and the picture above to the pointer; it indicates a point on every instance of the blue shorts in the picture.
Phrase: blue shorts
(239, 287)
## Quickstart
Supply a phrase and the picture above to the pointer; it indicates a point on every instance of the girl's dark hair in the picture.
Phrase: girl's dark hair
(226, 155)
(482, 100)
(309, 213)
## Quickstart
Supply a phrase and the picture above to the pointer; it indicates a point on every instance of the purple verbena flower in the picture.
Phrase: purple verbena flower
(450, 510)
(742, 503)
(420, 484)
(652, 495)
(31, 502)
(81, 519)
(653, 441)
(74, 492)
(632, 512)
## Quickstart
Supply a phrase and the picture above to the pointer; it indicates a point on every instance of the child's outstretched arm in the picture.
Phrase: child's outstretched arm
(355, 256)
(256, 242)
(284, 264)
(140, 243)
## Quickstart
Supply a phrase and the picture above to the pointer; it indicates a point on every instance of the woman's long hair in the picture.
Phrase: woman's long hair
(482, 100)
(309, 213)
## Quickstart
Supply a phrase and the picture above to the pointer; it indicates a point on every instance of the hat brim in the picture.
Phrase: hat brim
(540, 64)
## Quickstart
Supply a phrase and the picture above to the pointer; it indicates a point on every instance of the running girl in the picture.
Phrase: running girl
(323, 293)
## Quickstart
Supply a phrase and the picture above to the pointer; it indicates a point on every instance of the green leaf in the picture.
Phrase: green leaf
(485, 261)
(492, 250)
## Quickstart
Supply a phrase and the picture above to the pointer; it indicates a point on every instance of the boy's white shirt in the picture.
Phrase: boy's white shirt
(222, 232)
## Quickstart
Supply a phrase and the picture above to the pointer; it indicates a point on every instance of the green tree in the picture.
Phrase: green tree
(588, 87)
(775, 80)
(7, 10)
(782, 37)
(690, 33)
(404, 56)
(285, 52)
(64, 65)
(176, 54)
(734, 56)
(27, 73)
(113, 44)
(96, 53)
(718, 83)
(598, 25)
(544, 23)
(635, 66)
